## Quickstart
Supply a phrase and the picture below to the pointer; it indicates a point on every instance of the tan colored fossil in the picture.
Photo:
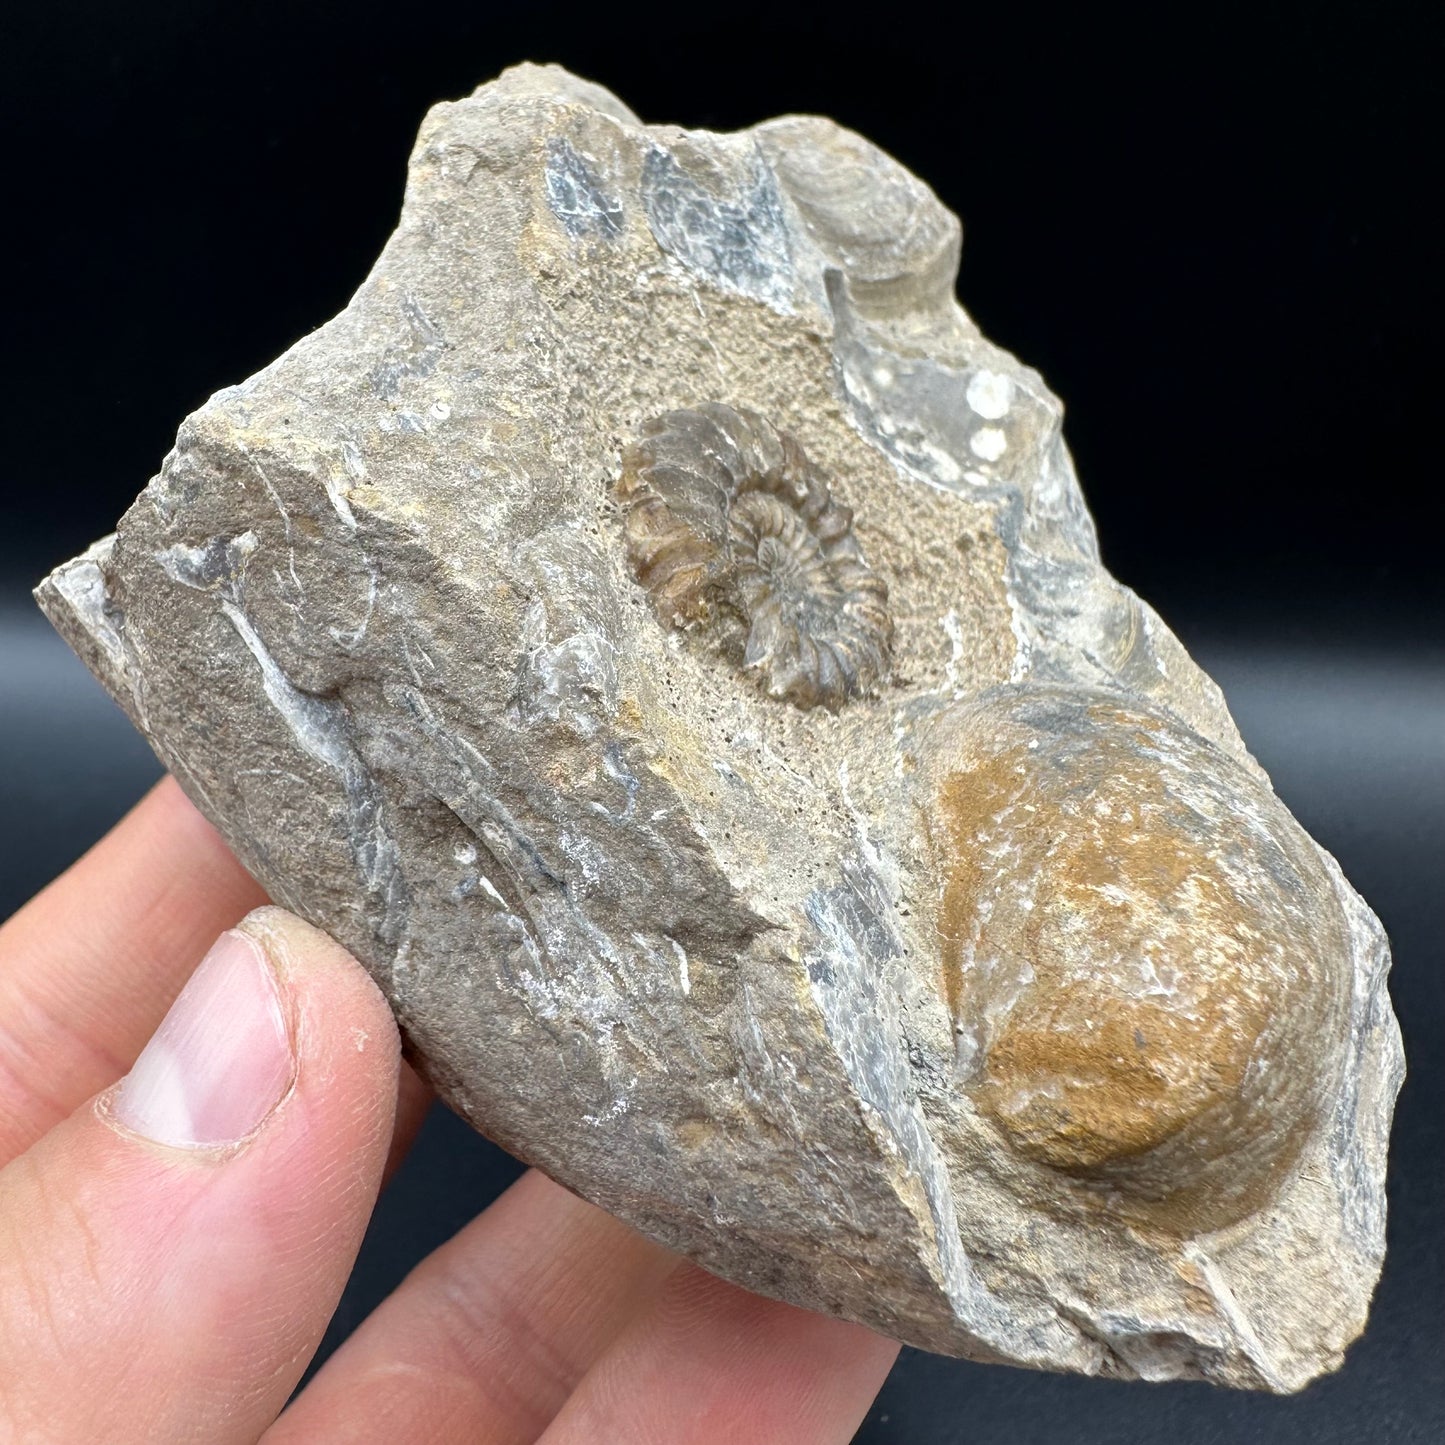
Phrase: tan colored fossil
(1147, 968)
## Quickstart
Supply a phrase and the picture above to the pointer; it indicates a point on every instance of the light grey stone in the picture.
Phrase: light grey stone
(823, 864)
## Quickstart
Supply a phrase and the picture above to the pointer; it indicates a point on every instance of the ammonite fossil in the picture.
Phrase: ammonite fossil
(731, 528)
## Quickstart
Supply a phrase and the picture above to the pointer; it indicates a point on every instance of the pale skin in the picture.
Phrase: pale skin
(155, 1290)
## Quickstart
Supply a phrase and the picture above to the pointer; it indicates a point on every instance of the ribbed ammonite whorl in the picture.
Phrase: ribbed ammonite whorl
(730, 526)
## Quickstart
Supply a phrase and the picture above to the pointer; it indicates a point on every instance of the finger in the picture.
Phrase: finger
(488, 1336)
(89, 966)
(712, 1363)
(413, 1098)
(170, 1255)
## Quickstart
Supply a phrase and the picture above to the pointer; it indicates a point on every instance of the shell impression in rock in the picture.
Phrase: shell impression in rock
(729, 523)
(659, 636)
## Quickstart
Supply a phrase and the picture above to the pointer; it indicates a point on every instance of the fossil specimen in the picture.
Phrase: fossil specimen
(729, 523)
(1123, 911)
(728, 753)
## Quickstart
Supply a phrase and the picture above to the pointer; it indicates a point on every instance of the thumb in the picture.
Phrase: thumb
(171, 1253)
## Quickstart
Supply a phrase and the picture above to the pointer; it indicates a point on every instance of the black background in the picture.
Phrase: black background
(1212, 230)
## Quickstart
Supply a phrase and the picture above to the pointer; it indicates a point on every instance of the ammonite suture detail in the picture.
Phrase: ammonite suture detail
(729, 526)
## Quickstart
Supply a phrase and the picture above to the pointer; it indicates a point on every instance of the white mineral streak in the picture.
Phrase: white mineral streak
(972, 1005)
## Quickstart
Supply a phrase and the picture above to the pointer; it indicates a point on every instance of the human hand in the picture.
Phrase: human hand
(172, 1246)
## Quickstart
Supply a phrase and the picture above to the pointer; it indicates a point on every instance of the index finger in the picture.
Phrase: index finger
(90, 965)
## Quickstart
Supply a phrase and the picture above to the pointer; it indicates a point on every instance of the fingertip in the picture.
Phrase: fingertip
(229, 1178)
(309, 959)
(169, 794)
(413, 1099)
(221, 1060)
(757, 1370)
(344, 1029)
(277, 1019)
(173, 813)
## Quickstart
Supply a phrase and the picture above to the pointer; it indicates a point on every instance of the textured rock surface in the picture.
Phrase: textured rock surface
(794, 841)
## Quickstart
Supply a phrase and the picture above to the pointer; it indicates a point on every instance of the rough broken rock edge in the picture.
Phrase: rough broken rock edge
(373, 615)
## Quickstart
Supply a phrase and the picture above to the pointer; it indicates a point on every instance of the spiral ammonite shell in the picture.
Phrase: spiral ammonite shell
(730, 527)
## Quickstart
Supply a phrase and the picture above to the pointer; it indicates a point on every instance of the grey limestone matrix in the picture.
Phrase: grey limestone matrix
(658, 634)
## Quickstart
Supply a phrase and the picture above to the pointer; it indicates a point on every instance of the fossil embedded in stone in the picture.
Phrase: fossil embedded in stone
(1142, 953)
(880, 224)
(931, 953)
(730, 526)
